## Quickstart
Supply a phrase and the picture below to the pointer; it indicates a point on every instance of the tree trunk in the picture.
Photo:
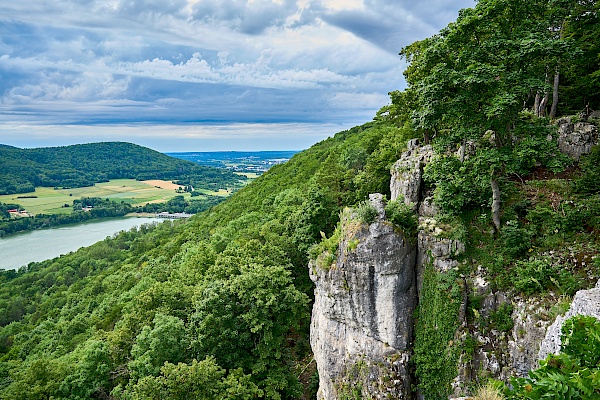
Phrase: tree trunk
(495, 203)
(426, 136)
(543, 104)
(544, 101)
(554, 107)
(536, 105)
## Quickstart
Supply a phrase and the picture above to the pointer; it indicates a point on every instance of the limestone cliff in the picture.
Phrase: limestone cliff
(362, 330)
(362, 317)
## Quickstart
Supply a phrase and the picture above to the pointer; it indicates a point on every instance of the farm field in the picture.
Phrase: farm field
(249, 175)
(52, 201)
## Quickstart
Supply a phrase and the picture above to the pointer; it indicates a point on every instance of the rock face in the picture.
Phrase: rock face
(531, 321)
(585, 302)
(407, 172)
(362, 316)
(576, 139)
(362, 321)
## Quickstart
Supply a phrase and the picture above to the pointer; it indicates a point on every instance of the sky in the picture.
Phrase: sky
(203, 75)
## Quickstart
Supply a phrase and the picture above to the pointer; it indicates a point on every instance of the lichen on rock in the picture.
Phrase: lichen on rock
(363, 310)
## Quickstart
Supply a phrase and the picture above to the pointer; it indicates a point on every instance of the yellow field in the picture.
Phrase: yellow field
(249, 175)
(51, 201)
(163, 184)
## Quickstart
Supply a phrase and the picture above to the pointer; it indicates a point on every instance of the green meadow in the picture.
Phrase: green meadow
(52, 201)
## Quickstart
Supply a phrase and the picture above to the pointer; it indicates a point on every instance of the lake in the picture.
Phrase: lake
(39, 245)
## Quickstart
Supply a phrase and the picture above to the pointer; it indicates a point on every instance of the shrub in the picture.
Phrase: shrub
(589, 182)
(457, 185)
(516, 240)
(572, 374)
(539, 275)
(402, 216)
(325, 251)
(501, 319)
(366, 212)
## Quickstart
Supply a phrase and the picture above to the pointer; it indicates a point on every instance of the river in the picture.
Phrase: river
(22, 248)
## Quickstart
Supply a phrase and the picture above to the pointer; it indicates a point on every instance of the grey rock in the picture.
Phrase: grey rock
(439, 251)
(427, 207)
(407, 173)
(585, 302)
(376, 200)
(362, 322)
(576, 139)
(531, 322)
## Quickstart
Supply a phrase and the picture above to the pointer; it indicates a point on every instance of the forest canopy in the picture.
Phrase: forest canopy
(87, 164)
(219, 307)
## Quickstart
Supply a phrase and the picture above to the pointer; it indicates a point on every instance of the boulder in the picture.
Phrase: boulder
(576, 138)
(585, 302)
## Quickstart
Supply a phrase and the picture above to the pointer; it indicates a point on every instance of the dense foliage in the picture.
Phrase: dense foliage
(219, 306)
(574, 373)
(86, 164)
(436, 347)
(222, 300)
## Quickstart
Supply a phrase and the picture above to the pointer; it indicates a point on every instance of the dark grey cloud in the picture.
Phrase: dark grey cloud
(393, 24)
(251, 18)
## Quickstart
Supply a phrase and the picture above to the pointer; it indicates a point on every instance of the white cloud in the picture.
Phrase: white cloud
(95, 61)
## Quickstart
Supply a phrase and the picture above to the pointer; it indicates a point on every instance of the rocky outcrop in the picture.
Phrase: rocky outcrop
(585, 302)
(436, 249)
(576, 138)
(407, 172)
(362, 322)
(531, 321)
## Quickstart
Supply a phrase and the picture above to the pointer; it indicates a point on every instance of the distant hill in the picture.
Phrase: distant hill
(85, 164)
(238, 161)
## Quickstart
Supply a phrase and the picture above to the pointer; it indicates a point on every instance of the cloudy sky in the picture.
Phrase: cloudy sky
(202, 75)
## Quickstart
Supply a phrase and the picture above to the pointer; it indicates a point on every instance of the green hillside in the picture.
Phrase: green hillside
(219, 307)
(86, 164)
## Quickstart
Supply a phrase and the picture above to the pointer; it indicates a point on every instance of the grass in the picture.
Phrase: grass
(51, 201)
(489, 391)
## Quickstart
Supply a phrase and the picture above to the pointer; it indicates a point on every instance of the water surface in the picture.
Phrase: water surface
(39, 245)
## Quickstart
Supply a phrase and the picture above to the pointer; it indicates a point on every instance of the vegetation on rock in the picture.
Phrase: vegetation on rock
(219, 306)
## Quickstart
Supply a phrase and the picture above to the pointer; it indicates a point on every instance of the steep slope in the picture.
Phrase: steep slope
(472, 322)
(222, 299)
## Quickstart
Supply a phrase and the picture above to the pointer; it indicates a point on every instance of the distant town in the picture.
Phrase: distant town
(256, 162)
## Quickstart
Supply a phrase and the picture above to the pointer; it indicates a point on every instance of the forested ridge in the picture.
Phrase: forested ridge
(86, 164)
(219, 307)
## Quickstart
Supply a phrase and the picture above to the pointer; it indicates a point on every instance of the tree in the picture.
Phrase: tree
(581, 76)
(474, 78)
(204, 380)
(91, 375)
(167, 341)
(243, 321)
